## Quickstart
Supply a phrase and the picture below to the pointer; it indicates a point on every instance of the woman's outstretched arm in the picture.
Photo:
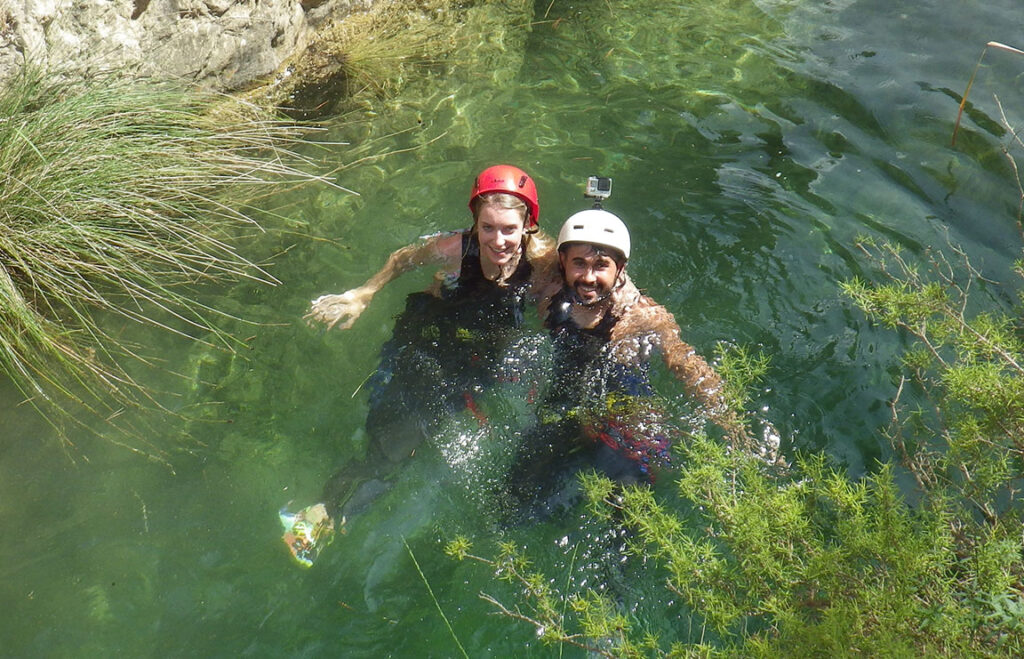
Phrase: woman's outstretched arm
(441, 249)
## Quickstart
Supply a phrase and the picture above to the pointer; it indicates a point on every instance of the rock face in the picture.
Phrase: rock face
(221, 44)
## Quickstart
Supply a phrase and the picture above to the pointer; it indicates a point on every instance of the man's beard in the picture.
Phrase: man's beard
(602, 295)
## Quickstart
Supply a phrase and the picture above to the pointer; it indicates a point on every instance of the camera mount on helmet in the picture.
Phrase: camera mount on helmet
(599, 188)
(596, 226)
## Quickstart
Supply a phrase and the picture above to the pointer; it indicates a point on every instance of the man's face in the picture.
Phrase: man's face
(590, 274)
(500, 232)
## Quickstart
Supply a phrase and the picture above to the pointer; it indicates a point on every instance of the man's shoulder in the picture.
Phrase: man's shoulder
(644, 317)
(645, 309)
(630, 302)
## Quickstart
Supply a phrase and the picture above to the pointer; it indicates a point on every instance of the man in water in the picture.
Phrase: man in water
(601, 411)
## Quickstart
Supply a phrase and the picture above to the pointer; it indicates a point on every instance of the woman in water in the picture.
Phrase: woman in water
(447, 343)
(496, 254)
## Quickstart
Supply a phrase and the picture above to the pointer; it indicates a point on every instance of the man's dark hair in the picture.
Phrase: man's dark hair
(600, 250)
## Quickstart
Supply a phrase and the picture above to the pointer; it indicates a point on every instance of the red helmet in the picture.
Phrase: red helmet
(511, 180)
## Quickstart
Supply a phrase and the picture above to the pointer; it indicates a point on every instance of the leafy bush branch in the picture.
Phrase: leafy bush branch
(815, 564)
(603, 631)
(971, 439)
(802, 568)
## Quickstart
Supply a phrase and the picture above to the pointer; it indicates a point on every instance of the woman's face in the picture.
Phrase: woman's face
(500, 232)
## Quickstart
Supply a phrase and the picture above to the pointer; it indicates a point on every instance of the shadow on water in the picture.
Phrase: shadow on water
(750, 143)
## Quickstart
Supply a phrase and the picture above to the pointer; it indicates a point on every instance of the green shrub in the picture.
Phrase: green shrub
(812, 563)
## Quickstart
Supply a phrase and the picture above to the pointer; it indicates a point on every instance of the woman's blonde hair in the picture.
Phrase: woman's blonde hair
(501, 200)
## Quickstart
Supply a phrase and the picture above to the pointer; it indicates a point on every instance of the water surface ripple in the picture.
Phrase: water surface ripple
(750, 143)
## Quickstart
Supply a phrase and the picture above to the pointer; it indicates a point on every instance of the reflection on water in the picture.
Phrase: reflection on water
(750, 143)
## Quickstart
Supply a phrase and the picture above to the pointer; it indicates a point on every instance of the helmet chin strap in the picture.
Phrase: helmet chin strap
(620, 279)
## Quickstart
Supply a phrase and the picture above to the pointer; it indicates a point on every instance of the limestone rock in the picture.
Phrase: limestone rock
(221, 44)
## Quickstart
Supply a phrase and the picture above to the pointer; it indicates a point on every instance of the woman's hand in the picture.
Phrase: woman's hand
(332, 309)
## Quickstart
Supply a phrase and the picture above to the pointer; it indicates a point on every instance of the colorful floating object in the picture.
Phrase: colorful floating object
(307, 532)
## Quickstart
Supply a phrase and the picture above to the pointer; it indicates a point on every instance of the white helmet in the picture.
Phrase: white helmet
(596, 227)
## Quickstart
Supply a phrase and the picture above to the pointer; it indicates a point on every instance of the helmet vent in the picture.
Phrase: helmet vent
(597, 227)
(522, 181)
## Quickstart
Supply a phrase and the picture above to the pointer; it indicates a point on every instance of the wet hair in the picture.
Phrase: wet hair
(600, 250)
(500, 200)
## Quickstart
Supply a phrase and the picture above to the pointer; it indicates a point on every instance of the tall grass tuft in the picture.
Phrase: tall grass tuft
(117, 196)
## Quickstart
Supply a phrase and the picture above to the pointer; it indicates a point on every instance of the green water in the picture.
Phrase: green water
(750, 143)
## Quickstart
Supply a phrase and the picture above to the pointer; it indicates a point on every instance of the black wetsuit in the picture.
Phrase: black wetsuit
(442, 351)
(583, 372)
(598, 414)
